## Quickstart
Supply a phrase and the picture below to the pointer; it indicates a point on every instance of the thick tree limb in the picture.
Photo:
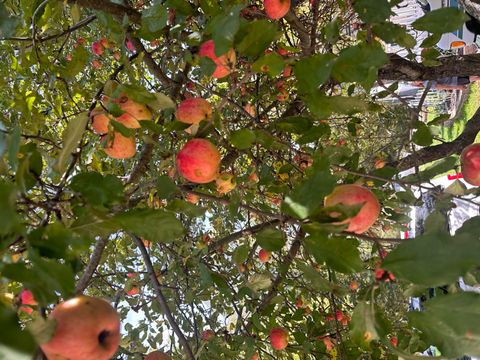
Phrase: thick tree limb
(402, 69)
(436, 152)
(162, 301)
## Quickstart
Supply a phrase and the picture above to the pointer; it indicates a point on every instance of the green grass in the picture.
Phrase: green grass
(471, 105)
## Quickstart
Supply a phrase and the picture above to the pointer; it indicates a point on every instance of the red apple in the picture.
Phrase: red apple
(120, 147)
(100, 120)
(264, 255)
(26, 298)
(198, 161)
(194, 110)
(86, 328)
(192, 198)
(97, 48)
(279, 338)
(133, 112)
(470, 160)
(224, 62)
(207, 335)
(352, 194)
(276, 9)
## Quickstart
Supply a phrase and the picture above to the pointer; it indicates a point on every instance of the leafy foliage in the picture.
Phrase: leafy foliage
(299, 110)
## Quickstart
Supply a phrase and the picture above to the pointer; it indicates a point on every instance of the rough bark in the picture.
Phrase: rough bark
(402, 69)
(436, 152)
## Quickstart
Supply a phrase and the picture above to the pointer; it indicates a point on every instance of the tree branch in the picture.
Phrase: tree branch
(436, 152)
(402, 69)
(162, 301)
(237, 235)
(111, 8)
(92, 265)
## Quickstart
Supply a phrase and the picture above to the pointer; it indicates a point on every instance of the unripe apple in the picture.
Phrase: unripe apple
(194, 110)
(225, 183)
(470, 160)
(352, 194)
(224, 62)
(276, 9)
(157, 355)
(279, 338)
(207, 335)
(264, 255)
(86, 328)
(198, 161)
(120, 147)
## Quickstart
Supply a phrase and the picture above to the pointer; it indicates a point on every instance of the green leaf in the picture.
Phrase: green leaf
(72, 136)
(136, 93)
(373, 11)
(240, 254)
(272, 64)
(339, 253)
(451, 323)
(154, 18)
(443, 20)
(271, 239)
(8, 23)
(184, 207)
(161, 102)
(323, 106)
(70, 69)
(98, 190)
(313, 71)
(254, 37)
(182, 6)
(422, 135)
(294, 124)
(367, 324)
(150, 224)
(309, 195)
(223, 28)
(434, 259)
(13, 336)
(259, 282)
(9, 220)
(165, 187)
(243, 139)
(316, 280)
(358, 63)
(44, 278)
(394, 34)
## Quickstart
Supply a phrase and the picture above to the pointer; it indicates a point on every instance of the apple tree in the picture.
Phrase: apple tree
(223, 173)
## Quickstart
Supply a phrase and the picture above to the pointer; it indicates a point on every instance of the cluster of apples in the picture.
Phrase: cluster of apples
(117, 145)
